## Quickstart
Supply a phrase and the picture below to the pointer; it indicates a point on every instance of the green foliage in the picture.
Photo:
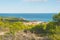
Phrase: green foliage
(51, 29)
(56, 18)
(13, 27)
(39, 29)
(55, 27)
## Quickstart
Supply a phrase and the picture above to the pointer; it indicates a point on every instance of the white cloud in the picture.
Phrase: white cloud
(35, 0)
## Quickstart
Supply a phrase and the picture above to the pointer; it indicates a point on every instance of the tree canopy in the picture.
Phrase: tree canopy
(56, 17)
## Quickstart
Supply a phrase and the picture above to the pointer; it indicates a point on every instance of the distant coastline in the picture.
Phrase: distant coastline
(33, 16)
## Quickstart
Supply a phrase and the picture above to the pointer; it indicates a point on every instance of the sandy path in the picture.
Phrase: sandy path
(2, 33)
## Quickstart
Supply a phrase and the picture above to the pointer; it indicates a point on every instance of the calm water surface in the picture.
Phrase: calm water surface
(30, 16)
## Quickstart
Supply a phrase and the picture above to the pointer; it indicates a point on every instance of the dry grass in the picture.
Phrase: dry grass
(22, 36)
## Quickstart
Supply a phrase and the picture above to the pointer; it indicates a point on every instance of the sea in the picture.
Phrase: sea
(30, 16)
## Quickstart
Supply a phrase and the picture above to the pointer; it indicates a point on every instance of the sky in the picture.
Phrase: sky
(29, 6)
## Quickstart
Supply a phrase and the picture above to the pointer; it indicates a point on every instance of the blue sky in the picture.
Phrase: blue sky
(29, 6)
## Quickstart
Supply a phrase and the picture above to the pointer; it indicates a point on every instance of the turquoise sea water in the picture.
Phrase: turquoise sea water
(30, 16)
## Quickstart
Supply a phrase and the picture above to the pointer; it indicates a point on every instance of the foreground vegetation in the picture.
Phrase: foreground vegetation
(15, 27)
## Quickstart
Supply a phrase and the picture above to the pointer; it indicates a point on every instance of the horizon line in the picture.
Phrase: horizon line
(24, 13)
